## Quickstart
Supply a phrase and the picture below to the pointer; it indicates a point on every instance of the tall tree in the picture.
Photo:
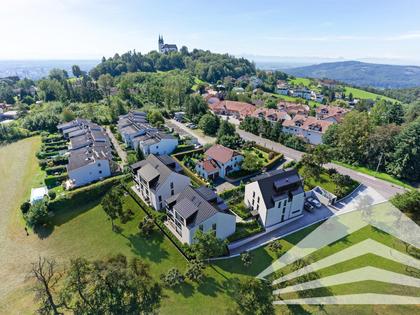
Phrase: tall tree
(47, 278)
(406, 158)
(75, 69)
(254, 296)
(105, 83)
(112, 205)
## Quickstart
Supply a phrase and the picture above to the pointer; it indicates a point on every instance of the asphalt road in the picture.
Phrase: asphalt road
(385, 188)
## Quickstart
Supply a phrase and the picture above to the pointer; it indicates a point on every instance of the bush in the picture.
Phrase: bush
(24, 207)
(172, 278)
(55, 169)
(331, 171)
(271, 155)
(408, 203)
(52, 194)
(37, 214)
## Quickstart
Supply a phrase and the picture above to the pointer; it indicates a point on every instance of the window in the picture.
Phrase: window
(100, 172)
(253, 194)
(214, 226)
(172, 192)
(160, 198)
(160, 205)
(284, 203)
(172, 185)
(200, 227)
(258, 199)
(99, 164)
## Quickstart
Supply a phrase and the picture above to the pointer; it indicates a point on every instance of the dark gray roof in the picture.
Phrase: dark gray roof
(192, 205)
(87, 155)
(76, 133)
(153, 162)
(278, 184)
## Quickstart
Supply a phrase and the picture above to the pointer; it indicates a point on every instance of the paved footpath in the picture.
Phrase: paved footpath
(385, 188)
(122, 154)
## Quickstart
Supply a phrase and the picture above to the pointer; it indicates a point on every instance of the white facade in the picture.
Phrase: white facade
(312, 136)
(88, 173)
(164, 146)
(224, 169)
(284, 209)
(224, 224)
(174, 184)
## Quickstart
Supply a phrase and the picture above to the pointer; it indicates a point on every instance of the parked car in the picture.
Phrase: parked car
(314, 202)
(308, 206)
(192, 126)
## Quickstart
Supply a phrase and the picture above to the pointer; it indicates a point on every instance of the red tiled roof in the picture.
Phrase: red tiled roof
(241, 108)
(220, 153)
(209, 165)
(331, 111)
(308, 122)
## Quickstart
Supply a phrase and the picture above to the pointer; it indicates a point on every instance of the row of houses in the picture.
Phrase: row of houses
(294, 117)
(89, 152)
(138, 133)
(305, 93)
(275, 198)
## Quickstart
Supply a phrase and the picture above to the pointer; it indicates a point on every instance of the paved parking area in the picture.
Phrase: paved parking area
(361, 198)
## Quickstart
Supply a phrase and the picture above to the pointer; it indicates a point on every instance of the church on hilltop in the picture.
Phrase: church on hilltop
(165, 48)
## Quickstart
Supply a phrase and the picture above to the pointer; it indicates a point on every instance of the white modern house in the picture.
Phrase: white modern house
(87, 165)
(89, 152)
(198, 209)
(157, 143)
(132, 125)
(277, 197)
(219, 161)
(157, 178)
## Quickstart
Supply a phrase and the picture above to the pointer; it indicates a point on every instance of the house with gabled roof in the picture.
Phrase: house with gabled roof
(158, 178)
(198, 209)
(334, 114)
(219, 161)
(309, 128)
(277, 197)
(236, 109)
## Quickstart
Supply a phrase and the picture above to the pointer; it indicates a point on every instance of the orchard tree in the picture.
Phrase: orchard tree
(254, 297)
(112, 205)
(207, 245)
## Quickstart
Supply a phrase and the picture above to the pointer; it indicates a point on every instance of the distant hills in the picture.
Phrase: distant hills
(362, 74)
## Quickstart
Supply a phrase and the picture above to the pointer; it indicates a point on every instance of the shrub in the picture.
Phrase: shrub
(55, 169)
(271, 155)
(172, 278)
(331, 171)
(24, 207)
(146, 226)
(37, 214)
(52, 194)
(55, 180)
(195, 270)
(247, 259)
(43, 164)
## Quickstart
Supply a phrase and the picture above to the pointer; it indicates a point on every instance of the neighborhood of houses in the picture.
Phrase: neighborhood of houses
(294, 117)
(272, 198)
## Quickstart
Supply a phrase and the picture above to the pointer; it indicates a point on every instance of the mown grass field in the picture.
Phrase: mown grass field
(84, 230)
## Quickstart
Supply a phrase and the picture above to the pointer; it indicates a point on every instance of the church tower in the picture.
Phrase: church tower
(160, 43)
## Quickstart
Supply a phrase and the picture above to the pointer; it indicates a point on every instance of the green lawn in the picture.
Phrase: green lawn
(358, 93)
(84, 230)
(379, 175)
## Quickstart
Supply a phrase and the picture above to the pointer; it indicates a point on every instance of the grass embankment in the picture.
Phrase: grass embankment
(383, 176)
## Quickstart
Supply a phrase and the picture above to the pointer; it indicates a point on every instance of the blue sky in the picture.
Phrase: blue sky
(86, 29)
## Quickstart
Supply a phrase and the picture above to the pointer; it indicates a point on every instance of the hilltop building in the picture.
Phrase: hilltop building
(165, 48)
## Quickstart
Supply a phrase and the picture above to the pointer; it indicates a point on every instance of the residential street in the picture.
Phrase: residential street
(182, 129)
(386, 189)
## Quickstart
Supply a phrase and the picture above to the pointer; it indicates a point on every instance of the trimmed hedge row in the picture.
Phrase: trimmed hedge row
(85, 194)
(55, 169)
(43, 155)
(51, 138)
(55, 180)
(274, 161)
(184, 148)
